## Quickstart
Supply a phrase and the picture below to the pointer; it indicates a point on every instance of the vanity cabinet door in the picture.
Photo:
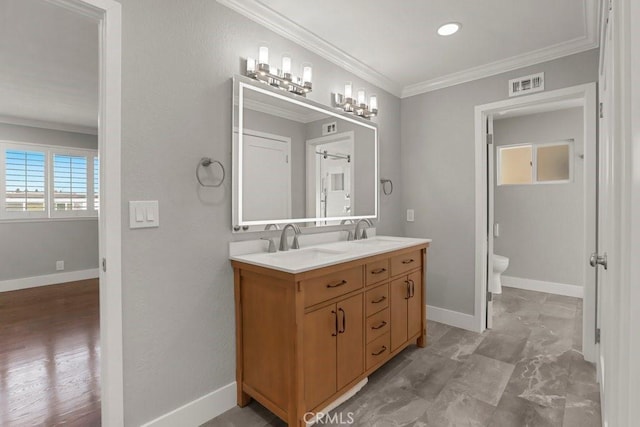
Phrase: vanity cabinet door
(320, 355)
(350, 340)
(414, 304)
(399, 290)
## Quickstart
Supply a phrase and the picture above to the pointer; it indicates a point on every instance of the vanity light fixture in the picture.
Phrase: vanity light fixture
(279, 77)
(357, 106)
(449, 28)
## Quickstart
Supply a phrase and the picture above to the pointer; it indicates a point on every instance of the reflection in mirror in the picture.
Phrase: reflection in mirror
(298, 161)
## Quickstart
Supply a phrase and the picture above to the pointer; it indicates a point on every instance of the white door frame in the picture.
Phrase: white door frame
(108, 15)
(586, 93)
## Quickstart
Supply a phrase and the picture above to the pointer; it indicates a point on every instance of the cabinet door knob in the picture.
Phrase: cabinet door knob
(335, 317)
(344, 321)
(336, 284)
(379, 300)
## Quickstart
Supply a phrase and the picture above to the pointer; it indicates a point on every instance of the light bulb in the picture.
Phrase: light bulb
(306, 74)
(361, 96)
(373, 102)
(251, 65)
(348, 90)
(263, 55)
(286, 64)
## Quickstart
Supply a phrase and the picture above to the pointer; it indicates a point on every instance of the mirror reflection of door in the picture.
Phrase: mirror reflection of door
(330, 169)
(266, 176)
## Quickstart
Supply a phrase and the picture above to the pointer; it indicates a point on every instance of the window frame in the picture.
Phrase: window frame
(534, 162)
(49, 214)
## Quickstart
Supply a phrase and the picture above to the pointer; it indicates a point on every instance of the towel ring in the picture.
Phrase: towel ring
(384, 186)
(206, 162)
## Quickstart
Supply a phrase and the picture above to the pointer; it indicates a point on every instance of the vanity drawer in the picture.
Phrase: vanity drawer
(378, 351)
(377, 325)
(331, 285)
(377, 271)
(403, 263)
(377, 299)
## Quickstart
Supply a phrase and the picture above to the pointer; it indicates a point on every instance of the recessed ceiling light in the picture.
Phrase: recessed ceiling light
(449, 28)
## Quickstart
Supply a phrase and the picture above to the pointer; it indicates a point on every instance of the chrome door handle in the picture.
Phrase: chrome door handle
(596, 259)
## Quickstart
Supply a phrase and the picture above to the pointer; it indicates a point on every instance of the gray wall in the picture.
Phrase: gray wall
(177, 64)
(542, 226)
(32, 248)
(438, 165)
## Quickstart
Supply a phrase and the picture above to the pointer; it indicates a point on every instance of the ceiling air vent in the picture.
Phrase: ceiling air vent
(527, 84)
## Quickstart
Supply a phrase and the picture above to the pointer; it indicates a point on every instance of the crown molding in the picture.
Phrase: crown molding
(267, 17)
(43, 124)
(498, 67)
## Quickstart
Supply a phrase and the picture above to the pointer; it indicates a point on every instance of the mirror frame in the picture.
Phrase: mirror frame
(239, 85)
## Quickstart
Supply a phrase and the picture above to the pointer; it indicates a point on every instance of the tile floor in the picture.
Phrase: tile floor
(526, 371)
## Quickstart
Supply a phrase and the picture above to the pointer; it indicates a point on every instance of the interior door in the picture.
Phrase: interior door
(605, 284)
(266, 177)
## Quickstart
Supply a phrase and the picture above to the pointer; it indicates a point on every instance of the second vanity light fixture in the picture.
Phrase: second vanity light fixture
(357, 105)
(279, 77)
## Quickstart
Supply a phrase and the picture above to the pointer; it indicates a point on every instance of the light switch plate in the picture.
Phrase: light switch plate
(144, 214)
(410, 215)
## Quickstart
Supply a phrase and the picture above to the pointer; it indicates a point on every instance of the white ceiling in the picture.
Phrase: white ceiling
(48, 66)
(394, 44)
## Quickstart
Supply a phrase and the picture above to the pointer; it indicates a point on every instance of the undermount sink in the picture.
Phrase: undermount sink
(305, 255)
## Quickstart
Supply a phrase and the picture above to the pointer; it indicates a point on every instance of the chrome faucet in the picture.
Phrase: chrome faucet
(284, 244)
(364, 230)
(350, 235)
(268, 227)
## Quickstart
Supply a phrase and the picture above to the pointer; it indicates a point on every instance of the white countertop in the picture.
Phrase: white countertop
(327, 254)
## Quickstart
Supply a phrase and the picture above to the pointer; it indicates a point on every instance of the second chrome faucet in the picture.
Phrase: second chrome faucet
(284, 244)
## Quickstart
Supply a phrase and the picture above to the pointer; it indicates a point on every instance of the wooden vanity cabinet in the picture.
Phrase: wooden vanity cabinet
(303, 340)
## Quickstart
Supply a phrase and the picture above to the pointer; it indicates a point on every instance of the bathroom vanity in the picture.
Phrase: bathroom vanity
(313, 323)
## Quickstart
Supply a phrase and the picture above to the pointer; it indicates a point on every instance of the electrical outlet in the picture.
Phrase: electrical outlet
(59, 265)
(410, 215)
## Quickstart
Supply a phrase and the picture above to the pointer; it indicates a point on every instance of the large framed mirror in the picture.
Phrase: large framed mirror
(298, 161)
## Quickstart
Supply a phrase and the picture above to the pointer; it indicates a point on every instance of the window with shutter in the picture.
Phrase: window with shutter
(42, 181)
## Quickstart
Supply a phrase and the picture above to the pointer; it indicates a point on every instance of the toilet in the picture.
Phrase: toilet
(500, 264)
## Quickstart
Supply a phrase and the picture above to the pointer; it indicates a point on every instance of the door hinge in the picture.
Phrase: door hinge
(597, 335)
(489, 296)
(489, 138)
(601, 110)
(104, 265)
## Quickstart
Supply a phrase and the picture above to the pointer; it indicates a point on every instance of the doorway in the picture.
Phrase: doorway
(529, 153)
(106, 18)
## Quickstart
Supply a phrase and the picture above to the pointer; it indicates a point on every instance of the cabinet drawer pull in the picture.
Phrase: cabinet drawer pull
(335, 285)
(407, 261)
(382, 350)
(380, 325)
(413, 288)
(408, 283)
(378, 271)
(379, 300)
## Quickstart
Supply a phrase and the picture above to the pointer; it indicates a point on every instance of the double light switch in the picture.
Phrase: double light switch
(143, 214)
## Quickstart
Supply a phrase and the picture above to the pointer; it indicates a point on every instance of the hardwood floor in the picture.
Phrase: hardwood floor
(50, 356)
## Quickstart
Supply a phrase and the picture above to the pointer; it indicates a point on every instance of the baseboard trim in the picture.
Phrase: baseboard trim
(542, 286)
(48, 279)
(451, 318)
(199, 411)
